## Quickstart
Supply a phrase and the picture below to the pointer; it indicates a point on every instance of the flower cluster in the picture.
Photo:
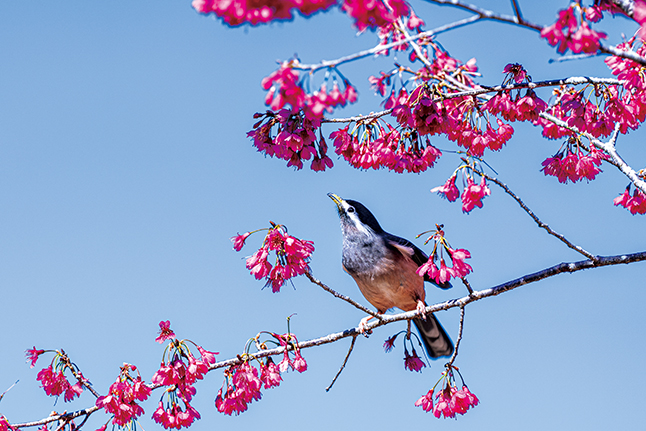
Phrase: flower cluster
(472, 194)
(635, 203)
(422, 112)
(122, 397)
(442, 274)
(243, 382)
(179, 371)
(526, 108)
(238, 12)
(293, 141)
(460, 119)
(52, 378)
(573, 162)
(449, 400)
(285, 87)
(377, 13)
(627, 106)
(370, 146)
(4, 424)
(287, 131)
(611, 106)
(292, 256)
(572, 33)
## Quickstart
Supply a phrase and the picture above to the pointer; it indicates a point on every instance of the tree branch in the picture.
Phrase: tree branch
(600, 261)
(517, 20)
(379, 48)
(608, 147)
(574, 80)
(459, 339)
(342, 297)
(534, 217)
(345, 361)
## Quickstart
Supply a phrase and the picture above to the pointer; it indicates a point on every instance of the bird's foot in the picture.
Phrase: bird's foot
(421, 309)
(362, 326)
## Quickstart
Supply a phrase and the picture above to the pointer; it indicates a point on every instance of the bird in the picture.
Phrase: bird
(384, 266)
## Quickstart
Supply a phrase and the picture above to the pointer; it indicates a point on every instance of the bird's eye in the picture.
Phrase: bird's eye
(350, 209)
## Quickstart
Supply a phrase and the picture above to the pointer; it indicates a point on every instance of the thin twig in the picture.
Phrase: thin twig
(487, 14)
(83, 381)
(57, 417)
(516, 6)
(8, 389)
(538, 221)
(457, 342)
(466, 283)
(379, 48)
(345, 361)
(343, 297)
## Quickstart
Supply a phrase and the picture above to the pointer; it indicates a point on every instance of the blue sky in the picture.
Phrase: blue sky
(125, 169)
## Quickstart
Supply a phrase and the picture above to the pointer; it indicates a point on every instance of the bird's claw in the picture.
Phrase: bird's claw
(421, 309)
(362, 326)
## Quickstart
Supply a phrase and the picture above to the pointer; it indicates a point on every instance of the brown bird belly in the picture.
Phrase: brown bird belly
(392, 285)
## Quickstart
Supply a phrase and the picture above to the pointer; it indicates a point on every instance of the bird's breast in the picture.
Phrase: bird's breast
(386, 279)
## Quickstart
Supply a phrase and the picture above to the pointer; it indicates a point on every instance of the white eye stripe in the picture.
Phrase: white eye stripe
(357, 223)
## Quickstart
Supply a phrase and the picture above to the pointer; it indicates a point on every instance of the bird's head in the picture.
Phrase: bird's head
(355, 218)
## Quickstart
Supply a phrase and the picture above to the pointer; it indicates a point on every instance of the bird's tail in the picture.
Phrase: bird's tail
(435, 339)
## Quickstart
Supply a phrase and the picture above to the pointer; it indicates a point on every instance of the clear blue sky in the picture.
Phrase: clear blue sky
(125, 168)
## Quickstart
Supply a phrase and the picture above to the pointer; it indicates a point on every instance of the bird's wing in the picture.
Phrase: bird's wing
(409, 249)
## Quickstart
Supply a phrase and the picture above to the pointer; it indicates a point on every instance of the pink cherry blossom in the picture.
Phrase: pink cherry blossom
(635, 203)
(32, 356)
(165, 333)
(426, 401)
(448, 190)
(269, 374)
(238, 240)
(473, 194)
(53, 382)
(412, 361)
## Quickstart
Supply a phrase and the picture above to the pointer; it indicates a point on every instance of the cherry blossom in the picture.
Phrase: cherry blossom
(165, 333)
(238, 12)
(270, 374)
(568, 33)
(53, 382)
(473, 194)
(635, 203)
(441, 248)
(449, 400)
(4, 424)
(32, 356)
(412, 361)
(122, 397)
(292, 257)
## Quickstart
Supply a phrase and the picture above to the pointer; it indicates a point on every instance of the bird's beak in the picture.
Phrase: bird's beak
(337, 200)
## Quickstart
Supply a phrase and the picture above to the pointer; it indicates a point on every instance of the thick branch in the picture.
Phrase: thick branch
(574, 80)
(386, 319)
(600, 261)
